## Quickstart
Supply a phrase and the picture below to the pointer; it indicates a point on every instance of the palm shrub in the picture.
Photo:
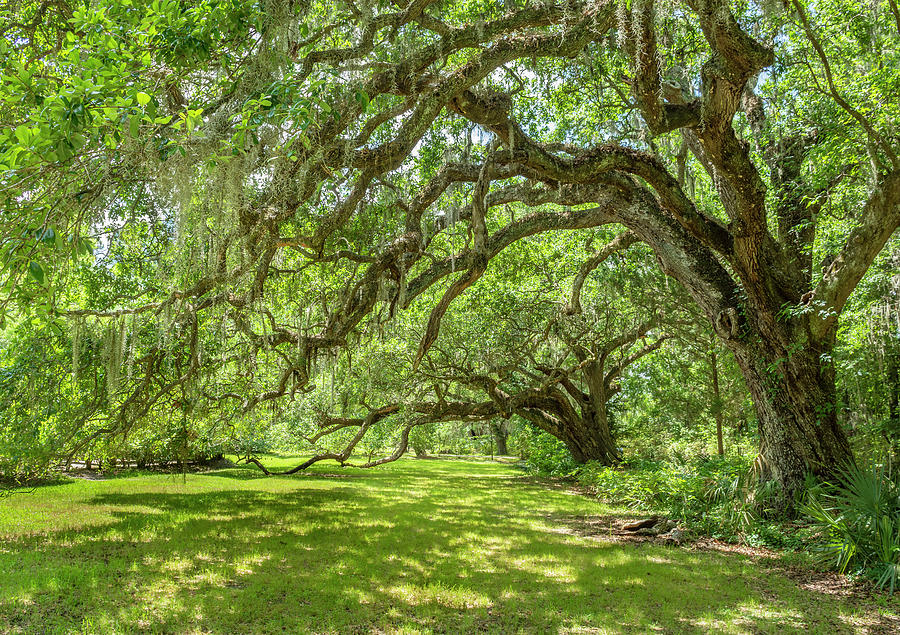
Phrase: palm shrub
(858, 521)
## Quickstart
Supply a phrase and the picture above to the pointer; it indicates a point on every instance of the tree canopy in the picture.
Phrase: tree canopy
(386, 214)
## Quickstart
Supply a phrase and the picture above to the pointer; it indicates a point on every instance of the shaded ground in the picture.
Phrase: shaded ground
(609, 528)
(415, 547)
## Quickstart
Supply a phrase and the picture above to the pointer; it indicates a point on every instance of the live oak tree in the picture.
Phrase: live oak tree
(324, 166)
(538, 344)
(548, 343)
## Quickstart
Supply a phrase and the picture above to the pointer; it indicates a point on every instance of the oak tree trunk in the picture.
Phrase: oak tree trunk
(500, 435)
(589, 439)
(794, 398)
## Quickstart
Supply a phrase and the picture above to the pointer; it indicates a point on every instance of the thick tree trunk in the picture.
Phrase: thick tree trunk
(794, 399)
(589, 439)
(498, 430)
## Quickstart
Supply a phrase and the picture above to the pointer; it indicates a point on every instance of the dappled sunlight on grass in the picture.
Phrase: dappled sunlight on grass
(438, 594)
(418, 546)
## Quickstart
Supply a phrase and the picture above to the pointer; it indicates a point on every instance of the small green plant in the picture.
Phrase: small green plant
(857, 521)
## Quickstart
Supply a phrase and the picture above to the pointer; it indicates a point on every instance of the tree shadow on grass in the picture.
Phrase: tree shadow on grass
(392, 551)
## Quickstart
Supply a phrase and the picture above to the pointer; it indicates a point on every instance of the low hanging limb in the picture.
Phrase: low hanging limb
(370, 419)
(479, 264)
(620, 243)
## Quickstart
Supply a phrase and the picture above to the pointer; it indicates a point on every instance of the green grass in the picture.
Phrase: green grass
(417, 546)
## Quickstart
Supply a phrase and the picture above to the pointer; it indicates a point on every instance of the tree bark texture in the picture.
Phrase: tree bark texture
(794, 398)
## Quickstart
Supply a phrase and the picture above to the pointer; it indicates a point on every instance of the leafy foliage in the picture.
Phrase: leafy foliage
(713, 497)
(544, 454)
(859, 521)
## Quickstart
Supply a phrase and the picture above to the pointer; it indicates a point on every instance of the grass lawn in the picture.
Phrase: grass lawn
(418, 546)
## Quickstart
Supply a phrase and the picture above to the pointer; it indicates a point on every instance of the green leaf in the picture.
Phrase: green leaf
(77, 140)
(23, 133)
(48, 236)
(36, 271)
(134, 125)
(363, 99)
(143, 98)
(85, 246)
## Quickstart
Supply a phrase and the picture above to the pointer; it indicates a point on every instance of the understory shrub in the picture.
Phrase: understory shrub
(858, 523)
(710, 496)
(544, 454)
